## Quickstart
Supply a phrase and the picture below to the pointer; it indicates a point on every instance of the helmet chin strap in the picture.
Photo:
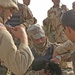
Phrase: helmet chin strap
(3, 16)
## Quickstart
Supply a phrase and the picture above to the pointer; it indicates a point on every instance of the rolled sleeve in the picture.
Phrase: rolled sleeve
(65, 47)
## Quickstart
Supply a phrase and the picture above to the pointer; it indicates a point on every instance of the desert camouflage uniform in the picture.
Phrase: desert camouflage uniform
(43, 50)
(16, 59)
(32, 72)
(53, 27)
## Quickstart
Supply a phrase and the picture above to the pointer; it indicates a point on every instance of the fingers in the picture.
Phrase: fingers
(19, 32)
(55, 60)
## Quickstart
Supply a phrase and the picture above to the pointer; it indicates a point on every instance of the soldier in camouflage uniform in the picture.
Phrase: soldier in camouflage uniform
(52, 24)
(23, 16)
(68, 22)
(42, 48)
(67, 49)
(15, 59)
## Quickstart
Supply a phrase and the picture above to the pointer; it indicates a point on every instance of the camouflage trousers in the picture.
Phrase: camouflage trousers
(67, 72)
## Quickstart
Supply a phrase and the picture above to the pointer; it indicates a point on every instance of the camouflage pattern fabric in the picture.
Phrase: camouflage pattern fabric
(53, 26)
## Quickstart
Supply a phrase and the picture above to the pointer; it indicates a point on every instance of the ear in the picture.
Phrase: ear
(68, 29)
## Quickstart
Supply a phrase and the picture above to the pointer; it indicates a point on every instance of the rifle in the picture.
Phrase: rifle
(47, 65)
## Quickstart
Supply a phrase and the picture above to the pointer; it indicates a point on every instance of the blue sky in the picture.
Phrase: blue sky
(39, 8)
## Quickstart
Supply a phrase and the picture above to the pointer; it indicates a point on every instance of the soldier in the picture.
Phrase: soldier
(23, 16)
(68, 22)
(52, 23)
(15, 59)
(42, 48)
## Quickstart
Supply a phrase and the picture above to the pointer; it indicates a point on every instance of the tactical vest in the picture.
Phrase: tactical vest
(48, 54)
(16, 18)
(38, 61)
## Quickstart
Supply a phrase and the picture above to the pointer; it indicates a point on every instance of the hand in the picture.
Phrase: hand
(20, 33)
(9, 27)
(55, 60)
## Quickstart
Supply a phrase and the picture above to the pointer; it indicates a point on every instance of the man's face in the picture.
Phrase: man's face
(56, 2)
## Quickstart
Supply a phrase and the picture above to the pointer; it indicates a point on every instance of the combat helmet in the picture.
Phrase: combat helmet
(36, 31)
(9, 3)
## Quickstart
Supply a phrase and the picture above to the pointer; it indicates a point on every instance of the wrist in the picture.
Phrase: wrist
(58, 57)
(24, 40)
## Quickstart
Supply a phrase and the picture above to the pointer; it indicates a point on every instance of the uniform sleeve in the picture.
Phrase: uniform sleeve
(17, 60)
(65, 48)
(49, 12)
(28, 16)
